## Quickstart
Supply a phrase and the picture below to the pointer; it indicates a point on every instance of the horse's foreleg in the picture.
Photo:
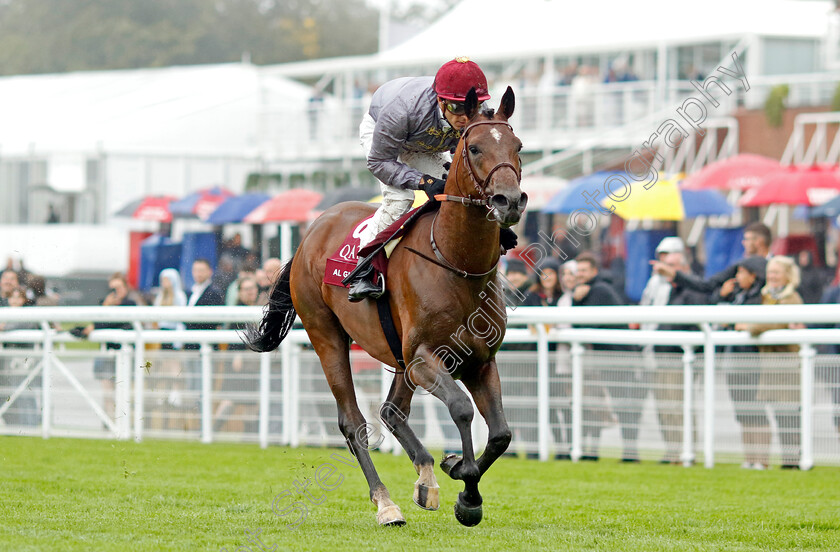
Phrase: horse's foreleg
(394, 414)
(431, 375)
(486, 389)
(332, 347)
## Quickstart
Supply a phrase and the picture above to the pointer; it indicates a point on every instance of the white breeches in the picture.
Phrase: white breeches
(395, 201)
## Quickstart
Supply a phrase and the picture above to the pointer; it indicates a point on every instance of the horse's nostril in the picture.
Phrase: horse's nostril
(500, 201)
(523, 200)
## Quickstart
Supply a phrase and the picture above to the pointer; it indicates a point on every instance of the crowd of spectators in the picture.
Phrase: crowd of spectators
(759, 379)
(615, 386)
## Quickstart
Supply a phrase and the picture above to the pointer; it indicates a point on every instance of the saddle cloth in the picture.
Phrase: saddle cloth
(344, 259)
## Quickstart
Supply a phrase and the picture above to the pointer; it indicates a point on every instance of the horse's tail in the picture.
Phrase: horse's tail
(278, 318)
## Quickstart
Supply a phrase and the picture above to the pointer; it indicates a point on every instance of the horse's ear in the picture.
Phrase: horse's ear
(471, 103)
(508, 103)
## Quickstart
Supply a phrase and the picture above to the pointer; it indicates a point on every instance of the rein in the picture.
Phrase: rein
(441, 260)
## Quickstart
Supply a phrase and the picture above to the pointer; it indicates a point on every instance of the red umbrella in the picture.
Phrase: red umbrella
(740, 172)
(154, 208)
(795, 186)
(292, 205)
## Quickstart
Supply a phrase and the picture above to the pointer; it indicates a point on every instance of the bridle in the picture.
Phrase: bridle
(481, 187)
(482, 201)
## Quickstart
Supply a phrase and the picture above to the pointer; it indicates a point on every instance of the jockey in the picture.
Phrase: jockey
(407, 134)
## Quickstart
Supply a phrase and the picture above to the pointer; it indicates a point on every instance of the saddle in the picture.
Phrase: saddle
(344, 259)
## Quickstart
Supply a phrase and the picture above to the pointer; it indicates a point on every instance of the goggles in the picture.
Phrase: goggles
(456, 108)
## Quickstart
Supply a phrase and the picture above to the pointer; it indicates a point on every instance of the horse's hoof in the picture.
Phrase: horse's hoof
(449, 462)
(468, 516)
(427, 498)
(390, 516)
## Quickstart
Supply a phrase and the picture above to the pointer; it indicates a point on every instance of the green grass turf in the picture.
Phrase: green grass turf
(71, 494)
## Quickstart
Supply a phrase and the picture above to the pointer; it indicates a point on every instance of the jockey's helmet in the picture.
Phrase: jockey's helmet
(455, 78)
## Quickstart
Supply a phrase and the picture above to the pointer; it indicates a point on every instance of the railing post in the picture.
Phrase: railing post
(46, 379)
(206, 394)
(139, 379)
(544, 431)
(122, 392)
(265, 393)
(294, 425)
(387, 375)
(708, 397)
(286, 360)
(806, 457)
(577, 400)
(688, 406)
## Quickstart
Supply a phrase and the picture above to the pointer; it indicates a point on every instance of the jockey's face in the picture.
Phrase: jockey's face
(454, 113)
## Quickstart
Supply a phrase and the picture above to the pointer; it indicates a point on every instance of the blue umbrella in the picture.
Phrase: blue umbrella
(234, 209)
(199, 203)
(571, 198)
(704, 202)
(828, 209)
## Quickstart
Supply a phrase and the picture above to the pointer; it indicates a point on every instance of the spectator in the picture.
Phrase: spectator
(14, 370)
(41, 295)
(828, 368)
(658, 288)
(242, 374)
(756, 241)
(624, 386)
(232, 294)
(225, 273)
(14, 263)
(814, 279)
(170, 294)
(234, 249)
(52, 217)
(203, 294)
(668, 379)
(104, 369)
(777, 385)
(743, 382)
(266, 276)
(562, 416)
(517, 275)
(165, 382)
(9, 282)
(547, 286)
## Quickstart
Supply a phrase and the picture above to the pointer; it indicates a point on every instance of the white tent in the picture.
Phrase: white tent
(205, 108)
(499, 29)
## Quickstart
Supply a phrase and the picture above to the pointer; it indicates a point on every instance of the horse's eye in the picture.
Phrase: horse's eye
(474, 150)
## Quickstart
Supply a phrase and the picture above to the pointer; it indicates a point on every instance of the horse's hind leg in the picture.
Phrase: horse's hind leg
(332, 345)
(394, 414)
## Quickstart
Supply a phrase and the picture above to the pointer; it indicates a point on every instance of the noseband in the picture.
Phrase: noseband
(481, 187)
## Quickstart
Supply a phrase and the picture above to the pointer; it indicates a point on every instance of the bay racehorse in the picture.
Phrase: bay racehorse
(446, 306)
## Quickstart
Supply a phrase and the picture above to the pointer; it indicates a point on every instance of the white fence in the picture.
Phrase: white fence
(563, 394)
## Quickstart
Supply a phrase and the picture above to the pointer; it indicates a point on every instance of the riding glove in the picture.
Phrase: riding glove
(507, 239)
(432, 186)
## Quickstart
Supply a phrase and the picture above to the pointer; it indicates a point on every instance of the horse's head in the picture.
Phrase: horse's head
(489, 159)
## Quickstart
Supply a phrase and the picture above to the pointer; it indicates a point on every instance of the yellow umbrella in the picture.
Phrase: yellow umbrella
(661, 202)
(419, 199)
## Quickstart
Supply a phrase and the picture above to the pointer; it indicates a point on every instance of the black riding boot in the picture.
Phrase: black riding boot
(361, 286)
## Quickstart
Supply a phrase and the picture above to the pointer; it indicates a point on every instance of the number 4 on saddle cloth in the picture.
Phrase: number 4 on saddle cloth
(342, 263)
